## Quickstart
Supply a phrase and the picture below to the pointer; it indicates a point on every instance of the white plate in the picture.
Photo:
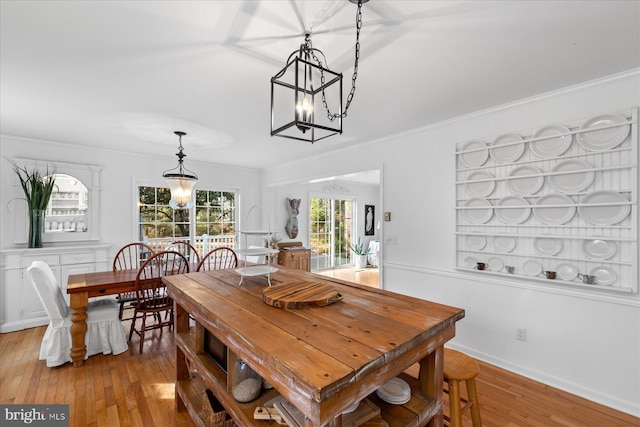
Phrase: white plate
(504, 243)
(554, 215)
(566, 271)
(604, 139)
(547, 245)
(556, 143)
(394, 389)
(532, 268)
(475, 243)
(470, 262)
(482, 188)
(525, 186)
(351, 408)
(507, 154)
(571, 182)
(478, 216)
(598, 248)
(604, 215)
(398, 401)
(495, 264)
(604, 275)
(515, 215)
(474, 158)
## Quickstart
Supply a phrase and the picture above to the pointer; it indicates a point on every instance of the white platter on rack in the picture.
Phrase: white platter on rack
(604, 275)
(495, 264)
(597, 248)
(532, 268)
(606, 214)
(525, 186)
(478, 216)
(507, 154)
(470, 262)
(516, 215)
(484, 187)
(475, 242)
(504, 243)
(562, 213)
(566, 271)
(557, 142)
(474, 158)
(603, 139)
(547, 245)
(571, 182)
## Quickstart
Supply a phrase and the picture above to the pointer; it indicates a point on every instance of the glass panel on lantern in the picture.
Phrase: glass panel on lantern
(296, 97)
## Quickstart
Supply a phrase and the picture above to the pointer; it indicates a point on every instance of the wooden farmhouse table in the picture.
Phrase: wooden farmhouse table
(80, 288)
(320, 359)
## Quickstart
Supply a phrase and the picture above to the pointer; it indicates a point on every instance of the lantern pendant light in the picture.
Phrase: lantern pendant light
(180, 180)
(303, 88)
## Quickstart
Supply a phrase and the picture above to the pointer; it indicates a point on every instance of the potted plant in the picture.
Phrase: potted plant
(361, 254)
(37, 191)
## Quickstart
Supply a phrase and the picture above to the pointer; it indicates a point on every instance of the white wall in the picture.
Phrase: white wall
(587, 343)
(121, 174)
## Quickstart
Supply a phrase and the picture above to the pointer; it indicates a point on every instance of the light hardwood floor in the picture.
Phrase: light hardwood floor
(363, 276)
(137, 390)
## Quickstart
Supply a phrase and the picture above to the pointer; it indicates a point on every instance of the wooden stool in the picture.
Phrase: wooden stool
(460, 367)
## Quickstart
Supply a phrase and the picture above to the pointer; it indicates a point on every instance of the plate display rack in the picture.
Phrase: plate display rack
(247, 249)
(557, 204)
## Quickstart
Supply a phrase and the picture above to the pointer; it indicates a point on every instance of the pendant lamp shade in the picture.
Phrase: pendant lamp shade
(180, 181)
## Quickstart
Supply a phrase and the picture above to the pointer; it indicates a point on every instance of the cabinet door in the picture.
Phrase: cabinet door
(31, 305)
(73, 269)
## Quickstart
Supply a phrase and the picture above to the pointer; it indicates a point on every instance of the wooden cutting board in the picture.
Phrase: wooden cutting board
(300, 295)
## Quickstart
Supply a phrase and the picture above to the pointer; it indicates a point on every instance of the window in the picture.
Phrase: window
(210, 224)
(215, 213)
(330, 232)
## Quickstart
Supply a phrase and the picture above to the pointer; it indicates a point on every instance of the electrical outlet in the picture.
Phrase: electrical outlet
(521, 334)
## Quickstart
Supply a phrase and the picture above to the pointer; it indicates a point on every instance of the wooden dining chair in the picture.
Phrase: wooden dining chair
(151, 293)
(218, 259)
(130, 257)
(187, 250)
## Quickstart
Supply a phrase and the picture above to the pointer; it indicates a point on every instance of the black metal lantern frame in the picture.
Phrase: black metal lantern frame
(305, 85)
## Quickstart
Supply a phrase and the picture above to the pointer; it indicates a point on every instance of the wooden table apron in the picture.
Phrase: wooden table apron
(80, 288)
(322, 359)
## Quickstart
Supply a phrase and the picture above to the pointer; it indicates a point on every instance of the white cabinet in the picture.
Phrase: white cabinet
(20, 307)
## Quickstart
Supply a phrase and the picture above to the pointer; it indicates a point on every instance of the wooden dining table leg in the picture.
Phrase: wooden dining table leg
(431, 378)
(79, 302)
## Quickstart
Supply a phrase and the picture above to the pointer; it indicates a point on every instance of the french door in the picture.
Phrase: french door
(330, 225)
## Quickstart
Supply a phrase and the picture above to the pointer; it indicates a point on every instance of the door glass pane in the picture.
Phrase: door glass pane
(330, 232)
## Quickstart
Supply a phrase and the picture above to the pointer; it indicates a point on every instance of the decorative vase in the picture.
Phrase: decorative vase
(36, 228)
(361, 261)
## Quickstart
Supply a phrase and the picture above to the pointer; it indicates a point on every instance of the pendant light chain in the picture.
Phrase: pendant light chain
(333, 116)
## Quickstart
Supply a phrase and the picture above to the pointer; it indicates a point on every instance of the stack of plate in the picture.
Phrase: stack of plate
(395, 391)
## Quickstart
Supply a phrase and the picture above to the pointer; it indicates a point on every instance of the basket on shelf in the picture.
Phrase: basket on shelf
(213, 414)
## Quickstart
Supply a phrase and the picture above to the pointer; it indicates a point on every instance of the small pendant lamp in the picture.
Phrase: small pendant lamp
(180, 180)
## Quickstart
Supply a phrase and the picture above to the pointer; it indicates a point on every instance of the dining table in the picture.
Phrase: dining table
(80, 288)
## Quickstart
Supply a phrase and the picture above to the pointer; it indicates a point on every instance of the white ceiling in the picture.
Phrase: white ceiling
(126, 74)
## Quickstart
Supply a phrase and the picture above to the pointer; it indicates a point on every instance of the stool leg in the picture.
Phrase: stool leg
(475, 405)
(454, 404)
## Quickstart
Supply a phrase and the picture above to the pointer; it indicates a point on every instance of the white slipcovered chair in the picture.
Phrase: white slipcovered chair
(105, 333)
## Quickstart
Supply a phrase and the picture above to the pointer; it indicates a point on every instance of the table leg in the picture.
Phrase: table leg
(431, 378)
(79, 302)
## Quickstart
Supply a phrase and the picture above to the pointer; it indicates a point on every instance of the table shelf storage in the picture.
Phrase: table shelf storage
(561, 198)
